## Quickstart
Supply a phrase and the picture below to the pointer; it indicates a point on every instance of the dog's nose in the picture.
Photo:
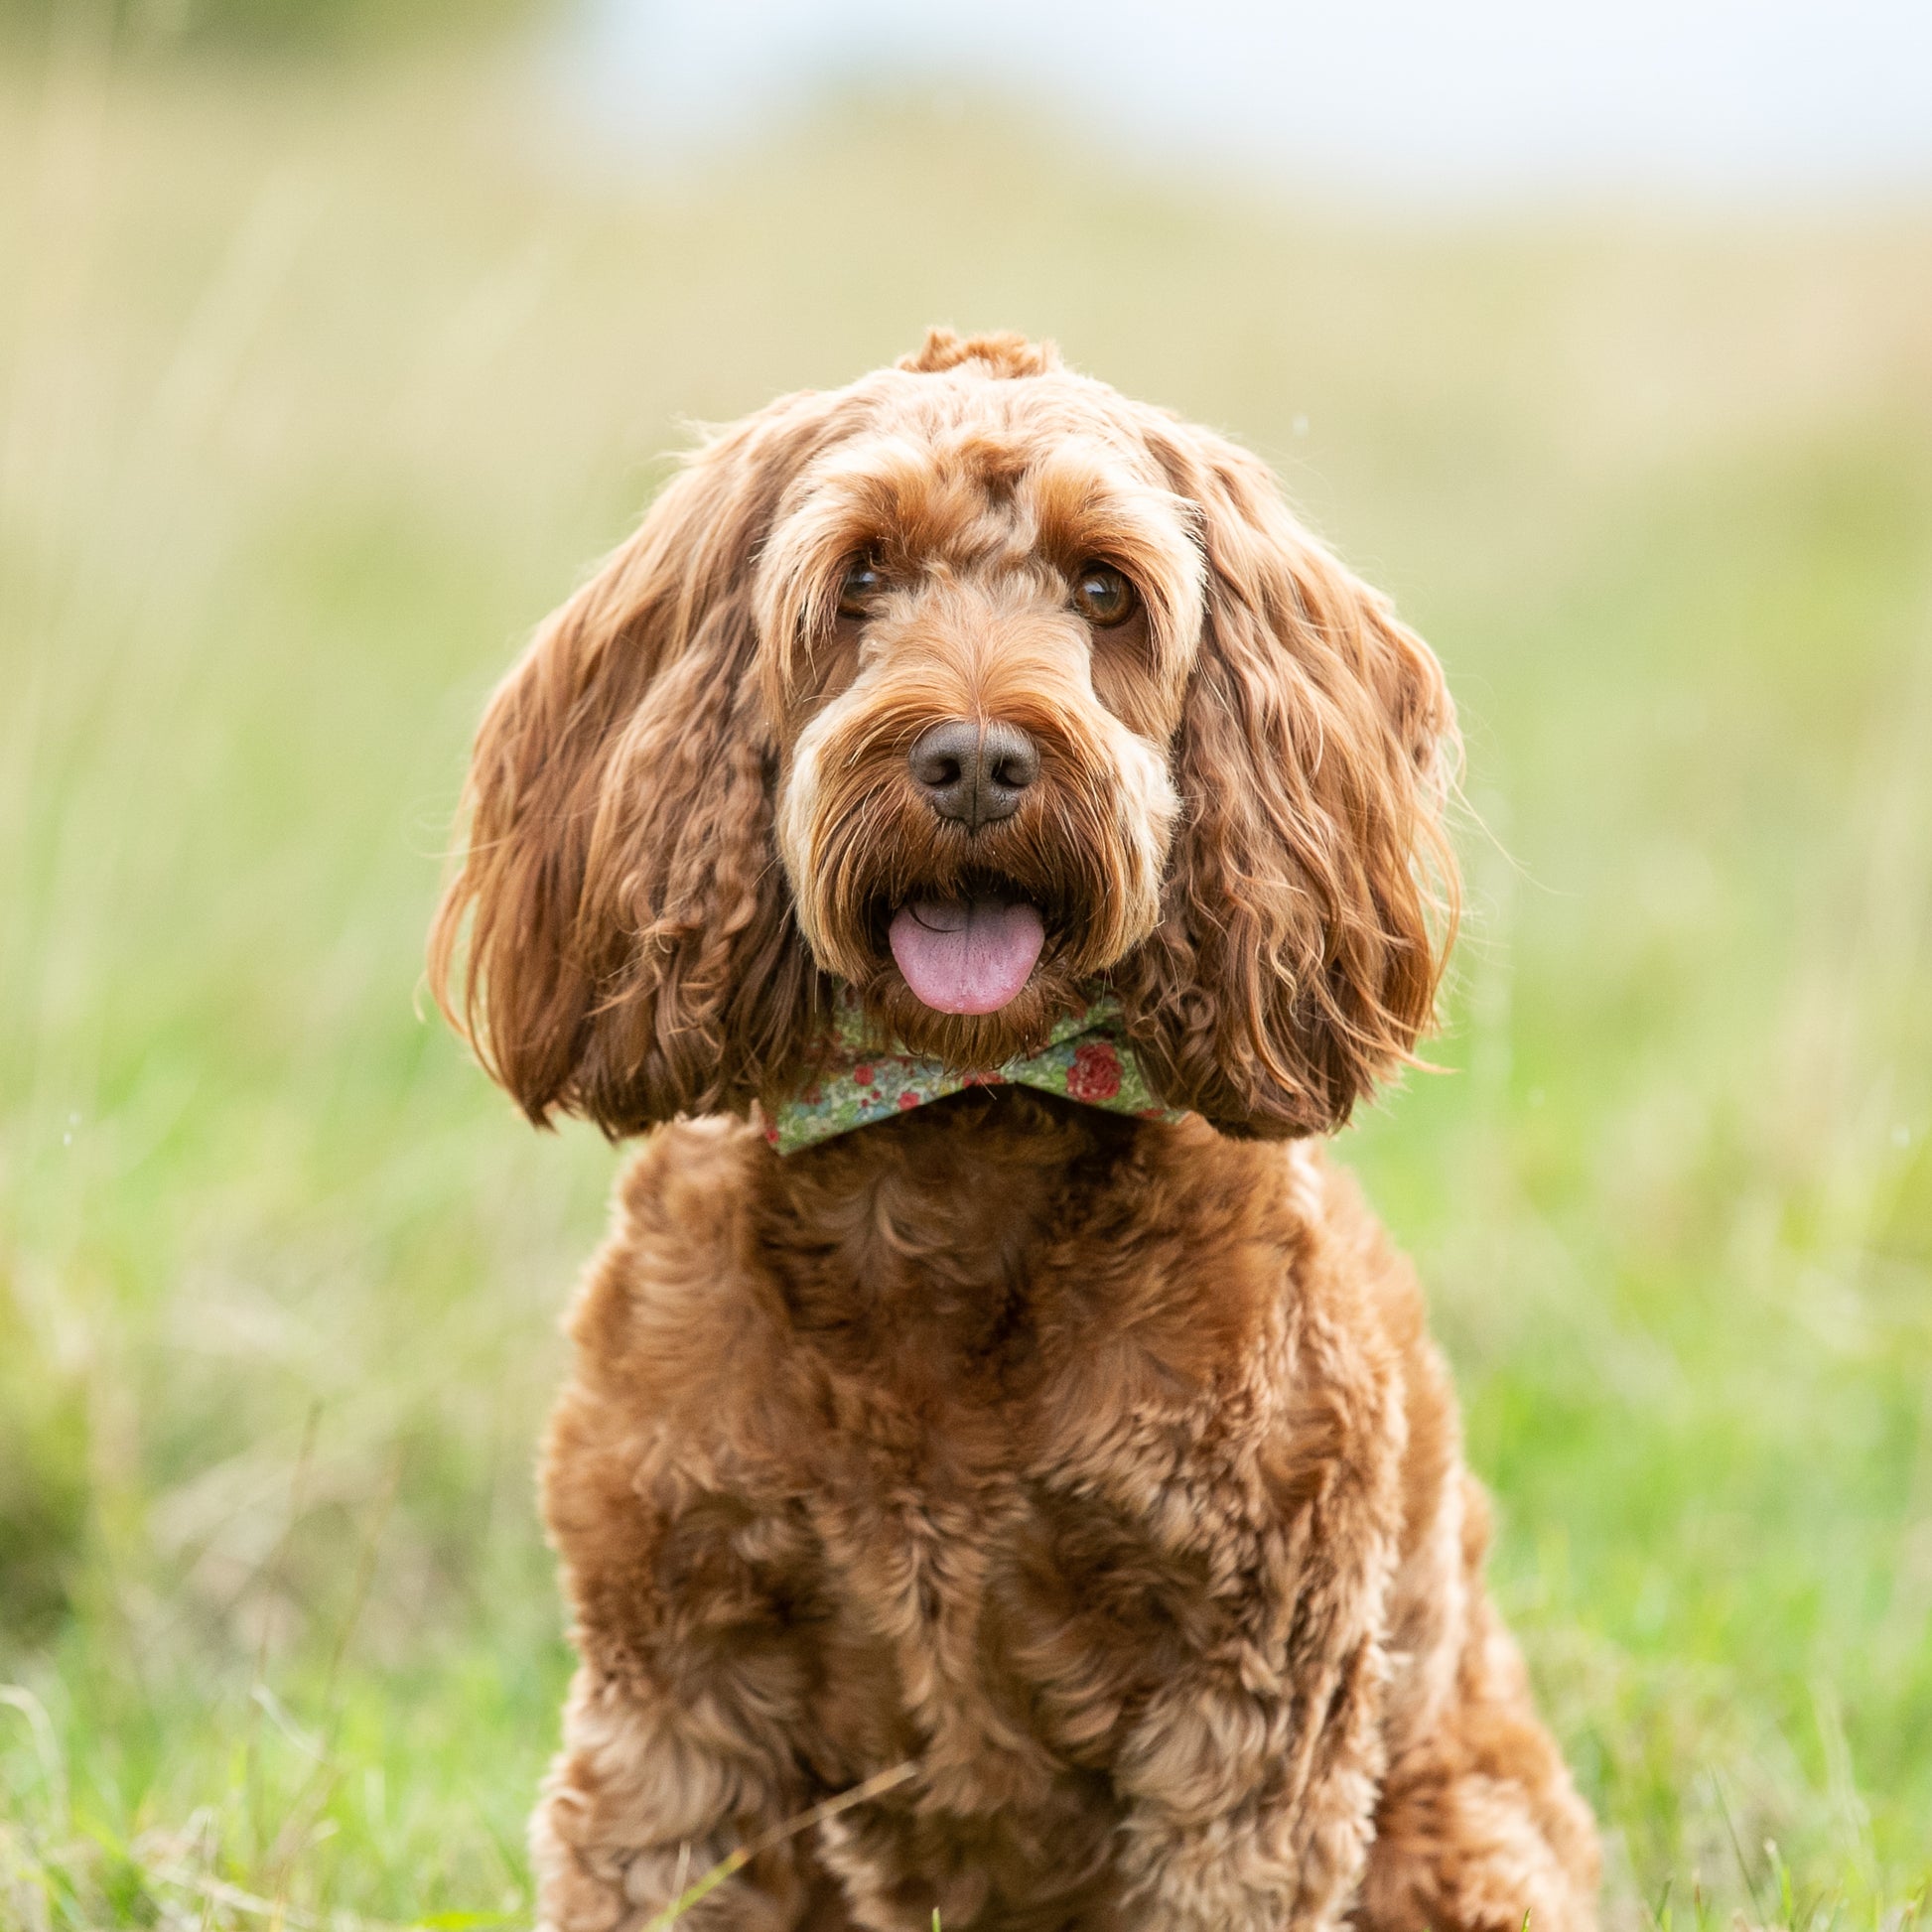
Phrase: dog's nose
(974, 773)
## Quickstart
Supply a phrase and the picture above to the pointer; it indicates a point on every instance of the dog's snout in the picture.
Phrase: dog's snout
(974, 773)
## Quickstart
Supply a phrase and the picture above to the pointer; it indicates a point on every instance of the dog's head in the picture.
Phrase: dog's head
(974, 686)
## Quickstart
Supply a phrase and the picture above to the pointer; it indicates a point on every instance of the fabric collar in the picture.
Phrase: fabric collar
(1086, 1058)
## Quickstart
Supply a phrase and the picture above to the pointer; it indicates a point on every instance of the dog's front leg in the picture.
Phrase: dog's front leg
(1249, 1774)
(688, 1575)
(1250, 1811)
(641, 1806)
(679, 1732)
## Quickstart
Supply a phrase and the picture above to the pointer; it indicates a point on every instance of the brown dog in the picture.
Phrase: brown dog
(1072, 1438)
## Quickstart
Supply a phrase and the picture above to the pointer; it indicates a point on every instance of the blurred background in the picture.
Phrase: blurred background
(338, 337)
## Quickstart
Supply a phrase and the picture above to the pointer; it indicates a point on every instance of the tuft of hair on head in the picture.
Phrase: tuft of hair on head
(1006, 353)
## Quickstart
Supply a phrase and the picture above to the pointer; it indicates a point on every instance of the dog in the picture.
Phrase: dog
(984, 844)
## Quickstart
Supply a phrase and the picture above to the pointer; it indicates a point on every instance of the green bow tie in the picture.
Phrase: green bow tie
(1086, 1058)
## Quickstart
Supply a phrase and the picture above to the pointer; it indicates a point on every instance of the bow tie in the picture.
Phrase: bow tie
(1086, 1058)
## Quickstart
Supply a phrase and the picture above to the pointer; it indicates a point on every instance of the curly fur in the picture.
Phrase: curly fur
(1100, 1469)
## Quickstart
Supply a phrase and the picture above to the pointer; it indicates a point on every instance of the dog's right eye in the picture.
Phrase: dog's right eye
(863, 581)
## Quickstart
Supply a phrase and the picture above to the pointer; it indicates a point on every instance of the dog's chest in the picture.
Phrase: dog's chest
(982, 1600)
(960, 1500)
(1010, 1445)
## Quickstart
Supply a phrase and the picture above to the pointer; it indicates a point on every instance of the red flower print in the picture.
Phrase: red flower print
(906, 1100)
(863, 1073)
(1094, 1074)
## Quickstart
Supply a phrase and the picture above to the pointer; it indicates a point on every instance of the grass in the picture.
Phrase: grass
(322, 386)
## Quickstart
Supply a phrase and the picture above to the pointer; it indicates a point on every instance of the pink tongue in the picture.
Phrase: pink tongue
(966, 955)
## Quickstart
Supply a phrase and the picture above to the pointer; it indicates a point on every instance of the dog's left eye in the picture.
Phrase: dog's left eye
(1103, 596)
(863, 581)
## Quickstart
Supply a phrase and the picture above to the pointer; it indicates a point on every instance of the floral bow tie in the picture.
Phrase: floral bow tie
(1086, 1058)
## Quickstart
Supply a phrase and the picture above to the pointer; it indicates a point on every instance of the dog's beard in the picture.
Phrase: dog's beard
(968, 948)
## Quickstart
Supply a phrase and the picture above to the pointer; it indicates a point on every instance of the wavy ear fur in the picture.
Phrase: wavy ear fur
(1312, 895)
(630, 949)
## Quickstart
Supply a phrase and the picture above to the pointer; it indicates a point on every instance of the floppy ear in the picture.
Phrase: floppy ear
(631, 948)
(1311, 898)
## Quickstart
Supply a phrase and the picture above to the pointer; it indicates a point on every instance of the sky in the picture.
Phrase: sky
(1458, 100)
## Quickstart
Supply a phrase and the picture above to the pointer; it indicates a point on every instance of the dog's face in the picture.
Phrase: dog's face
(976, 628)
(976, 688)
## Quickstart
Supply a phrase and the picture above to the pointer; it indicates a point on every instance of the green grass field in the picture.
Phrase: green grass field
(318, 386)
